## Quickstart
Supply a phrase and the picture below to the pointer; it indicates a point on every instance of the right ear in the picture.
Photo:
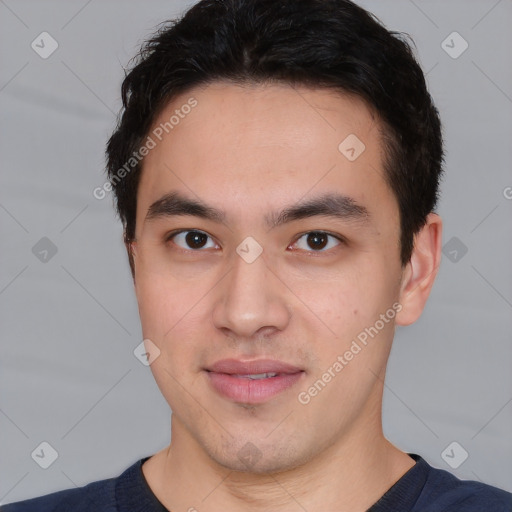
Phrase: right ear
(130, 249)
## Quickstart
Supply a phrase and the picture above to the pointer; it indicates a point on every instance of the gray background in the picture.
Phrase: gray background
(69, 325)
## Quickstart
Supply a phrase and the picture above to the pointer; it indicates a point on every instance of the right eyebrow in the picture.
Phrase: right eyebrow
(174, 203)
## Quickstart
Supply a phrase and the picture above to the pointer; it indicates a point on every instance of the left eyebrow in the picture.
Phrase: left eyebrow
(338, 206)
(329, 205)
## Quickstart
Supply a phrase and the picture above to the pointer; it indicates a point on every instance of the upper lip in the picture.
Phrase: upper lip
(254, 367)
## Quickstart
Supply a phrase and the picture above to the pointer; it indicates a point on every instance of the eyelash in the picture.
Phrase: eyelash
(338, 238)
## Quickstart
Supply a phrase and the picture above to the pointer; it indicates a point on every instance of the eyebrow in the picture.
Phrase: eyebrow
(328, 205)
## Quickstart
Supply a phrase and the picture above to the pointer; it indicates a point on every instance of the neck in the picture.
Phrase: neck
(350, 475)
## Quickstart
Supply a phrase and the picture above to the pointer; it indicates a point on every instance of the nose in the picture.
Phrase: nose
(251, 301)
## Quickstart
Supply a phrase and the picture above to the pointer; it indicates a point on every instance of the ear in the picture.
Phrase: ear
(419, 274)
(130, 249)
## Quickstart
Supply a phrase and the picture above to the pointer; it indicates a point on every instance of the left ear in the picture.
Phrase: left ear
(419, 274)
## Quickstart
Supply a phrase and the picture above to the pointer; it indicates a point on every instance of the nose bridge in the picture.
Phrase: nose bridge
(249, 281)
(250, 299)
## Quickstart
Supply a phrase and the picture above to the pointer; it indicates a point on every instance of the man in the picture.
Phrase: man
(276, 170)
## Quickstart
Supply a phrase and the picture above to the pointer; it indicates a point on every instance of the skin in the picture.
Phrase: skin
(249, 151)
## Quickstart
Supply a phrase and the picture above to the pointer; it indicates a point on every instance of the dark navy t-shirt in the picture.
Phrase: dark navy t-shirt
(422, 489)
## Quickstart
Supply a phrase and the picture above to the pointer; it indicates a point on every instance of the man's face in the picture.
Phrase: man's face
(325, 274)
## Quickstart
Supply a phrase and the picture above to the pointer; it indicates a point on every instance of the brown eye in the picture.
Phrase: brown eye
(317, 241)
(192, 239)
(195, 239)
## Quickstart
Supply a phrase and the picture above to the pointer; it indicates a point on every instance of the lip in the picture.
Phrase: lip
(239, 367)
(228, 377)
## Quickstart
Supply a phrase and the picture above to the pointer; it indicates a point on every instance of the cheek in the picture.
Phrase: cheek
(162, 303)
(348, 305)
(165, 294)
(168, 318)
(336, 297)
(174, 315)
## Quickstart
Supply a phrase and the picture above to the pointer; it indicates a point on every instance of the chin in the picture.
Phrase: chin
(267, 460)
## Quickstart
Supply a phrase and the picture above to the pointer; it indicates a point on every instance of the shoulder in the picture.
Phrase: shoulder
(445, 492)
(98, 496)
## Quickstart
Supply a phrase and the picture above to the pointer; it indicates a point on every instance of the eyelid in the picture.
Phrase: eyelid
(169, 236)
(336, 236)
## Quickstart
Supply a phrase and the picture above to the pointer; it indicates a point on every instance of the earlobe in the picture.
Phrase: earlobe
(420, 273)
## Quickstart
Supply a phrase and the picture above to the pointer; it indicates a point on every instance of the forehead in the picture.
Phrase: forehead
(258, 146)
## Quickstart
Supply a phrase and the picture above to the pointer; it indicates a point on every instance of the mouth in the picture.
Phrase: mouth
(252, 382)
(257, 376)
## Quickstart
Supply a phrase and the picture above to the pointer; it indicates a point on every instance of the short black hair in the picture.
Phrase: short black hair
(331, 44)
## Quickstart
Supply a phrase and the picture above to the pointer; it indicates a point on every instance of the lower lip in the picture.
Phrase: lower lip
(251, 391)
